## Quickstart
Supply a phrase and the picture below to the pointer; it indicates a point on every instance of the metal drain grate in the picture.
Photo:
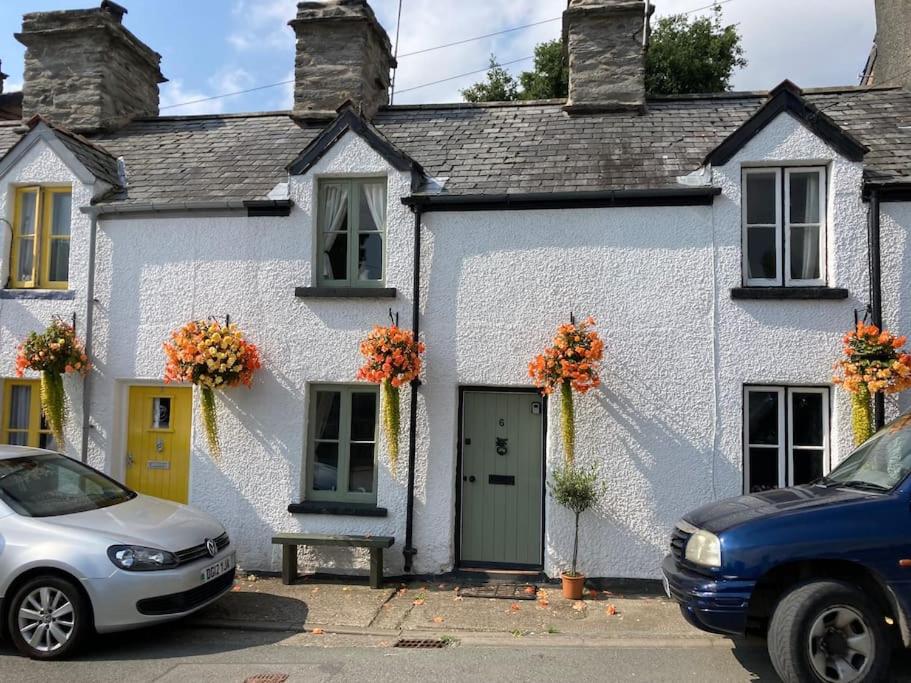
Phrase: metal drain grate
(267, 678)
(420, 643)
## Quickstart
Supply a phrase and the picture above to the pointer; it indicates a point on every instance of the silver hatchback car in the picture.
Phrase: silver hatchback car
(80, 553)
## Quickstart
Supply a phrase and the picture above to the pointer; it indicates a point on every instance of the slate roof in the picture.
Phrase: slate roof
(178, 159)
(489, 149)
(96, 160)
(9, 135)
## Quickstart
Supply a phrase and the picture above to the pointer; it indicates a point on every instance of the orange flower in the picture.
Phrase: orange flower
(574, 357)
(56, 350)
(873, 360)
(211, 355)
(390, 354)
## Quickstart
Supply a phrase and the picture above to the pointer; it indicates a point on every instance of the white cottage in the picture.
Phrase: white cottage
(723, 243)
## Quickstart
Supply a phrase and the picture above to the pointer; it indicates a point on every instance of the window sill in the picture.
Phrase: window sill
(322, 507)
(47, 294)
(345, 292)
(789, 293)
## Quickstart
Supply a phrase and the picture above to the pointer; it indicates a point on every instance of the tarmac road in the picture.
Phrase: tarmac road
(181, 654)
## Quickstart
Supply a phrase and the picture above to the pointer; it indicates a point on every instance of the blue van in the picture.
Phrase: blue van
(823, 570)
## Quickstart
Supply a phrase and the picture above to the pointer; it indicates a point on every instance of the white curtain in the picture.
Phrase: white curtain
(809, 256)
(335, 208)
(375, 194)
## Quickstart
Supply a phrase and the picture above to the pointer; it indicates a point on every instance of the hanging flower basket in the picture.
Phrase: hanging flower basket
(571, 364)
(874, 361)
(54, 353)
(392, 359)
(212, 356)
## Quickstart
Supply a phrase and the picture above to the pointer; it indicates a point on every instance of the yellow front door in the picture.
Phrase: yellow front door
(158, 442)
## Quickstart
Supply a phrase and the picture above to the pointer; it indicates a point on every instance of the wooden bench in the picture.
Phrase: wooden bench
(290, 542)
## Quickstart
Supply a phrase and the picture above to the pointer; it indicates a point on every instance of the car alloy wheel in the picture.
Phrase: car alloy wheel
(46, 619)
(841, 644)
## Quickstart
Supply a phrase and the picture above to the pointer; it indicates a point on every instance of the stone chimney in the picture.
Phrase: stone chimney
(3, 77)
(892, 63)
(342, 54)
(605, 45)
(87, 72)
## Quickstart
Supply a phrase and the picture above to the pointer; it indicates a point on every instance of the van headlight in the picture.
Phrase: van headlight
(704, 549)
(136, 558)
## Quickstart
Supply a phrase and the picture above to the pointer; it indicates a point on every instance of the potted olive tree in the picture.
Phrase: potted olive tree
(577, 489)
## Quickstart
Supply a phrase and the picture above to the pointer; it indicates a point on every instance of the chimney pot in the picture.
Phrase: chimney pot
(86, 71)
(606, 54)
(115, 10)
(343, 53)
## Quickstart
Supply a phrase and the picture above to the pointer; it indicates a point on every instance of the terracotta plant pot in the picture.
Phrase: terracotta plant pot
(573, 586)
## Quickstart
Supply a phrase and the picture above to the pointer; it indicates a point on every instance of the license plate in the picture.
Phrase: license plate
(667, 586)
(215, 570)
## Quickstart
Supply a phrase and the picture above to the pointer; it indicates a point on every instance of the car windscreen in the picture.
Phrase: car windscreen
(880, 464)
(48, 484)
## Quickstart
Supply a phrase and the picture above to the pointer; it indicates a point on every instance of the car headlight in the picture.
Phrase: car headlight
(136, 558)
(704, 549)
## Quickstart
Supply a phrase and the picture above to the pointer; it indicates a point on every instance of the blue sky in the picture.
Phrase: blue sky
(210, 47)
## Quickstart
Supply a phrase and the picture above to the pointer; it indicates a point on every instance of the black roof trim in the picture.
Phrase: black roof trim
(268, 207)
(787, 97)
(889, 191)
(349, 120)
(670, 196)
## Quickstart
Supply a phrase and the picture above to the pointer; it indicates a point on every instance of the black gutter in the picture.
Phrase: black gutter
(671, 196)
(257, 208)
(409, 551)
(876, 293)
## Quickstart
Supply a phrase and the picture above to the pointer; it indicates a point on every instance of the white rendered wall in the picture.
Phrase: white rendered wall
(498, 284)
(41, 166)
(156, 274)
(785, 342)
(895, 241)
(665, 427)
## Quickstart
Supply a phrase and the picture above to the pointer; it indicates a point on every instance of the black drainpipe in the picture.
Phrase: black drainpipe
(876, 296)
(409, 551)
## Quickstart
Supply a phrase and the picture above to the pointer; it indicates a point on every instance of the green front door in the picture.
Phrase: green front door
(502, 485)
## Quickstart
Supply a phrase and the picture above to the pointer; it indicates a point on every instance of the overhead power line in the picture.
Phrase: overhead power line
(424, 51)
(486, 35)
(467, 73)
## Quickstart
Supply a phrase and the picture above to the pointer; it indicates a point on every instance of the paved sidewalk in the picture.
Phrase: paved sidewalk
(424, 609)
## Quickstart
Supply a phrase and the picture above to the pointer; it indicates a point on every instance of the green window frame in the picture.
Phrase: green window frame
(342, 443)
(351, 232)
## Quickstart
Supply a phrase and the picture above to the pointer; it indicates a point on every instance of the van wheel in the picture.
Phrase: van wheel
(828, 631)
(48, 618)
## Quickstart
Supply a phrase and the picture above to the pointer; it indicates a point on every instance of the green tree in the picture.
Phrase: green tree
(500, 86)
(550, 79)
(692, 56)
(684, 56)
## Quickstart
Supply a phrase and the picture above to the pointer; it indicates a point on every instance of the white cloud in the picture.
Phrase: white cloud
(226, 80)
(231, 79)
(12, 86)
(262, 24)
(179, 101)
(831, 52)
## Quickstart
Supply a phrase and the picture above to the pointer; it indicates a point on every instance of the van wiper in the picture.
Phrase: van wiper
(861, 485)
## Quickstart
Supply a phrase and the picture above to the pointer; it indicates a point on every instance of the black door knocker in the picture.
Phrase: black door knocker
(502, 446)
